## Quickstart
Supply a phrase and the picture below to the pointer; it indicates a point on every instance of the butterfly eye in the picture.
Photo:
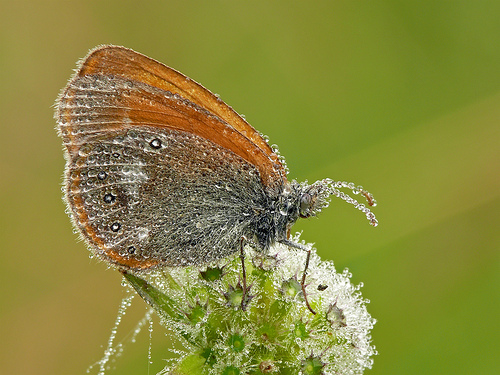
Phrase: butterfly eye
(313, 199)
(306, 204)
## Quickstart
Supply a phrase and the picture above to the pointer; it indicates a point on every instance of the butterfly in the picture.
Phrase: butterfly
(161, 172)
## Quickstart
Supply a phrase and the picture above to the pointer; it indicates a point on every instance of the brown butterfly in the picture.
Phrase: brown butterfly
(160, 171)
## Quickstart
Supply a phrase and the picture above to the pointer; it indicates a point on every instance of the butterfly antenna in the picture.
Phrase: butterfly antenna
(333, 189)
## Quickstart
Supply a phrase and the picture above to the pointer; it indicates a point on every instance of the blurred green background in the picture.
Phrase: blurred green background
(401, 97)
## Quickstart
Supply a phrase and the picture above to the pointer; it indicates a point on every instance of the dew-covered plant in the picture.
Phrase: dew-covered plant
(268, 329)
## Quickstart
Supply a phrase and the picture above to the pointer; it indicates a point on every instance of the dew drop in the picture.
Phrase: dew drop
(115, 227)
(109, 198)
(155, 143)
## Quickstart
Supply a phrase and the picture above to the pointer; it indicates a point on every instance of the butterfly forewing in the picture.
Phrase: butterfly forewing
(153, 178)
(101, 104)
(126, 63)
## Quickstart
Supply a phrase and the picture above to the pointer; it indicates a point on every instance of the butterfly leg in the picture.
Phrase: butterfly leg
(246, 297)
(304, 274)
(303, 282)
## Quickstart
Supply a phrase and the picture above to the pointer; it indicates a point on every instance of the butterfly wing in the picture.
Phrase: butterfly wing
(144, 197)
(123, 62)
(153, 178)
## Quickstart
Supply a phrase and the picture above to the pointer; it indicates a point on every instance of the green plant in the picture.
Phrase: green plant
(272, 331)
